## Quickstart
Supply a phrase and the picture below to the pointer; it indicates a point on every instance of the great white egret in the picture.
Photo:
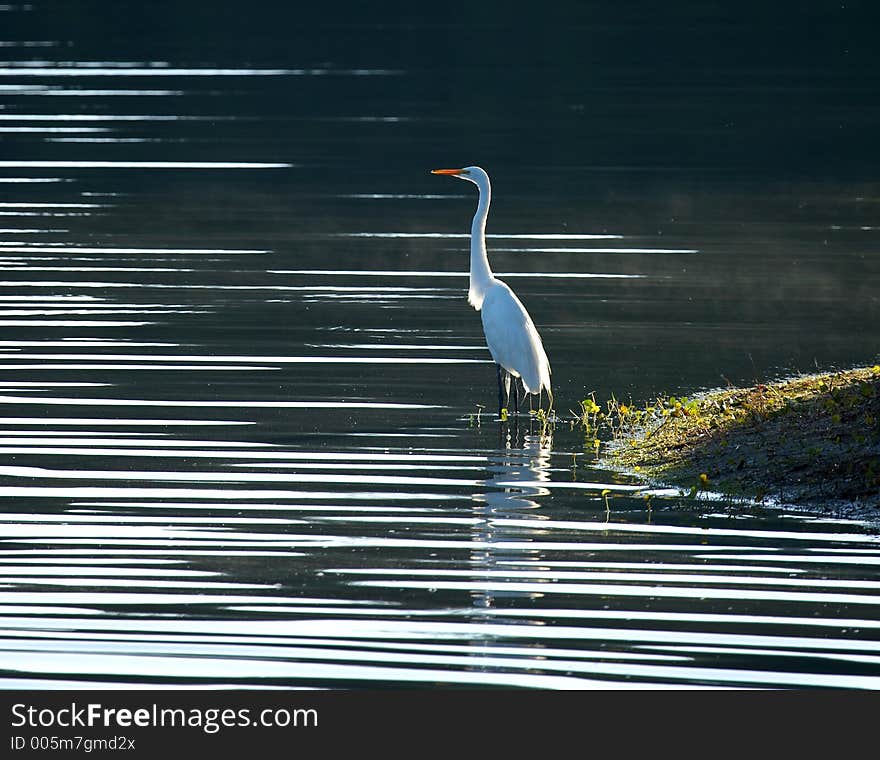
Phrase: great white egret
(510, 333)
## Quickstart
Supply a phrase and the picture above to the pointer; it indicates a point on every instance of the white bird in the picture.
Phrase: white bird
(510, 333)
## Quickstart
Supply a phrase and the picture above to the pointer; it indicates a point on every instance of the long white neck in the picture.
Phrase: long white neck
(481, 273)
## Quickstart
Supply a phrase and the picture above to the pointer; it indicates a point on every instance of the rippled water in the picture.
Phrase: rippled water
(245, 411)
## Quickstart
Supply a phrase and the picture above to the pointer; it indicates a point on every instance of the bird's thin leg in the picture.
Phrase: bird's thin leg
(501, 384)
(515, 395)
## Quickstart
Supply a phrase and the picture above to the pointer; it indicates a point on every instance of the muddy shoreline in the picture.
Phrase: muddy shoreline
(809, 441)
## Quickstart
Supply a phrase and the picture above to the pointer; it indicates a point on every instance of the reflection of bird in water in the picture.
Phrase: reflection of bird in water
(510, 333)
(503, 498)
(529, 465)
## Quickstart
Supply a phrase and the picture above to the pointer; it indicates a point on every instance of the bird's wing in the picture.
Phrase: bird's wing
(512, 338)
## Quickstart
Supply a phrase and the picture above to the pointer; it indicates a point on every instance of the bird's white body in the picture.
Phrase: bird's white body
(510, 333)
(512, 338)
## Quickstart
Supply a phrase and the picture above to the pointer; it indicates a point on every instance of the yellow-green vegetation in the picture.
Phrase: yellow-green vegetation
(809, 440)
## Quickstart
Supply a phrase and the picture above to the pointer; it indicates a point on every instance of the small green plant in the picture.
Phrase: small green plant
(648, 506)
(590, 414)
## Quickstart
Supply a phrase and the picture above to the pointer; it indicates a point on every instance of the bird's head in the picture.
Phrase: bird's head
(471, 173)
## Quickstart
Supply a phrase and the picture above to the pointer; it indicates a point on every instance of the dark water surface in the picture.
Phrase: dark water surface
(241, 435)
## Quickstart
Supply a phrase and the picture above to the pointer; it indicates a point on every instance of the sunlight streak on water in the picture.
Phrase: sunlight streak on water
(141, 165)
(125, 251)
(44, 90)
(56, 117)
(51, 130)
(104, 402)
(80, 69)
(28, 180)
(596, 250)
(403, 273)
(445, 235)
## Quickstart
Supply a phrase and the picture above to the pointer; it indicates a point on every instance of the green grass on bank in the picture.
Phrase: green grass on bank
(810, 440)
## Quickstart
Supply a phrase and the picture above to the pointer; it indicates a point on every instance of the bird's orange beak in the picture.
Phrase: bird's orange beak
(453, 172)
